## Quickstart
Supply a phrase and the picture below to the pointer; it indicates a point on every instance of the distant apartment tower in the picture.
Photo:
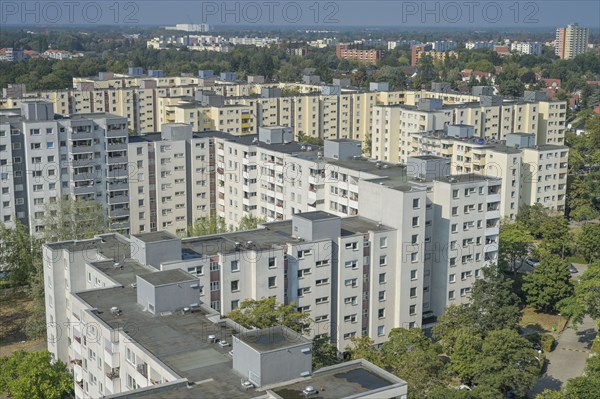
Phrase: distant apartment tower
(189, 27)
(346, 51)
(571, 41)
(429, 49)
(532, 48)
(44, 158)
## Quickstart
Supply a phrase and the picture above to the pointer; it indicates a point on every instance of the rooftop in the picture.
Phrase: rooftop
(180, 341)
(155, 236)
(269, 339)
(316, 215)
(467, 178)
(167, 277)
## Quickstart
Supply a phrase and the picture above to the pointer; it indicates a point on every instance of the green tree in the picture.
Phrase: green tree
(586, 300)
(204, 226)
(250, 222)
(364, 348)
(415, 358)
(549, 394)
(70, 219)
(549, 283)
(588, 242)
(324, 353)
(266, 312)
(506, 362)
(533, 218)
(18, 253)
(555, 235)
(515, 244)
(32, 375)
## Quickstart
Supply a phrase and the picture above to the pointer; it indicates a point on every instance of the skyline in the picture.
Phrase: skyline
(301, 13)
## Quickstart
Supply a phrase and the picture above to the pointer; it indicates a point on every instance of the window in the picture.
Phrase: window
(413, 274)
(454, 194)
(235, 285)
(130, 356)
(452, 278)
(214, 286)
(302, 291)
(214, 266)
(323, 299)
(451, 295)
(323, 281)
(414, 257)
(235, 304)
(272, 262)
(350, 318)
(351, 300)
(350, 335)
(452, 261)
(413, 292)
(350, 282)
(353, 264)
(454, 228)
(352, 245)
(383, 260)
(415, 221)
(412, 310)
(272, 282)
(380, 330)
(454, 211)
(416, 203)
(131, 384)
(381, 278)
(381, 313)
(235, 266)
(381, 295)
(383, 243)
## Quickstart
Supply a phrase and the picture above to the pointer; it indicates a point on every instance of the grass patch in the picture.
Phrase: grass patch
(534, 321)
(15, 307)
(576, 259)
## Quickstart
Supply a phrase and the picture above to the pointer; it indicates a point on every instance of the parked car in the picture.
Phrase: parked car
(532, 262)
(572, 268)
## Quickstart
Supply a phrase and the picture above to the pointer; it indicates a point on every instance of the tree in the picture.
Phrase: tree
(584, 387)
(204, 226)
(533, 218)
(18, 253)
(515, 244)
(588, 242)
(32, 375)
(70, 219)
(415, 358)
(506, 362)
(266, 312)
(549, 283)
(586, 300)
(555, 235)
(250, 222)
(324, 353)
(364, 348)
(493, 303)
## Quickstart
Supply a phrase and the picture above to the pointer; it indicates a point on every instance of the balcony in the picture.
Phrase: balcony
(118, 186)
(116, 160)
(84, 190)
(116, 146)
(117, 173)
(117, 133)
(82, 149)
(113, 374)
(118, 199)
(120, 212)
(142, 368)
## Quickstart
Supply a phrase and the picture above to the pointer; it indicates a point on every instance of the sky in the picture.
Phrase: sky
(325, 15)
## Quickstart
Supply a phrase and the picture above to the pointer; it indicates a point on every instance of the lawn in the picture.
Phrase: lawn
(15, 308)
(534, 321)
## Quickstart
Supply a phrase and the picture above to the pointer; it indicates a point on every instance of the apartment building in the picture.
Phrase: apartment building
(530, 173)
(46, 157)
(129, 318)
(429, 50)
(532, 48)
(571, 41)
(346, 51)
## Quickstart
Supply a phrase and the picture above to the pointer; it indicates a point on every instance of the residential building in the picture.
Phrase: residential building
(419, 51)
(346, 51)
(189, 27)
(476, 45)
(10, 54)
(571, 41)
(46, 157)
(131, 318)
(532, 48)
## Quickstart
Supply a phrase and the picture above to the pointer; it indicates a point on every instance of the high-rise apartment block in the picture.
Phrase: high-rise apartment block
(45, 157)
(571, 41)
(131, 316)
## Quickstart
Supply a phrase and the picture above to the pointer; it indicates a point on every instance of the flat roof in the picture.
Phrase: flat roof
(180, 341)
(155, 236)
(339, 382)
(316, 215)
(466, 178)
(268, 339)
(167, 277)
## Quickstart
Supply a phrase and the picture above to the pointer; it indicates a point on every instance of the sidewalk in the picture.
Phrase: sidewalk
(568, 358)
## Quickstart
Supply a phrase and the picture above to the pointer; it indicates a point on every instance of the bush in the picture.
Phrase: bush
(547, 342)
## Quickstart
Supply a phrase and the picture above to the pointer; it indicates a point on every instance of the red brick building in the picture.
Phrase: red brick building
(345, 51)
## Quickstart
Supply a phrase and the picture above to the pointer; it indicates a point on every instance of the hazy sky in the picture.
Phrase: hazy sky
(320, 14)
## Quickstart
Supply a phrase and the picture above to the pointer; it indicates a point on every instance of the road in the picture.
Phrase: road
(568, 359)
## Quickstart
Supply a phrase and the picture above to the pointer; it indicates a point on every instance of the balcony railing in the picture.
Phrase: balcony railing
(113, 374)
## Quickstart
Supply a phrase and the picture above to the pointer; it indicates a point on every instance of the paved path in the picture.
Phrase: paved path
(568, 358)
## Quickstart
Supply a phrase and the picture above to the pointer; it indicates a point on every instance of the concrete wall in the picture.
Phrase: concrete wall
(154, 253)
(314, 230)
(342, 149)
(285, 364)
(167, 298)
